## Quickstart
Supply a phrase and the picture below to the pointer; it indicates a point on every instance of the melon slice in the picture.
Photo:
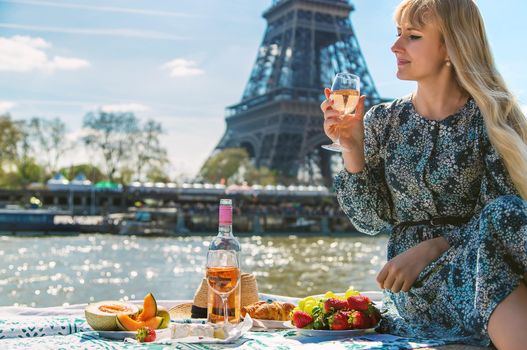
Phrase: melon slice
(102, 316)
(126, 323)
(149, 308)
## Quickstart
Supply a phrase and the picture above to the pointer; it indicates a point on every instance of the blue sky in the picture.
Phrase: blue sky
(183, 62)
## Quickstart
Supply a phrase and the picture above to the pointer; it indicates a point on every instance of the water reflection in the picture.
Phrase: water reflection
(49, 271)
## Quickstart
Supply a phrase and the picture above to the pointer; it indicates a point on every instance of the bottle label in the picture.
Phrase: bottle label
(225, 215)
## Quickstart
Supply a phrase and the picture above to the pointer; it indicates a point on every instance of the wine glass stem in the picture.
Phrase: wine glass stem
(225, 311)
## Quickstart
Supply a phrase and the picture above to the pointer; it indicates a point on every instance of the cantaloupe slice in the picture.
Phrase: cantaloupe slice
(149, 308)
(101, 316)
(126, 323)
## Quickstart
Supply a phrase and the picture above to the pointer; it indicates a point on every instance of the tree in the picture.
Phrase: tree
(224, 164)
(125, 175)
(91, 172)
(26, 171)
(49, 141)
(10, 136)
(113, 135)
(19, 168)
(157, 174)
(262, 176)
(234, 166)
(149, 152)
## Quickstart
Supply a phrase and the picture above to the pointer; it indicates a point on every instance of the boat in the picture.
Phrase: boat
(149, 221)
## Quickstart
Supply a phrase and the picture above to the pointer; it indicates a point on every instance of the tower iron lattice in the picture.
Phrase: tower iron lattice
(278, 120)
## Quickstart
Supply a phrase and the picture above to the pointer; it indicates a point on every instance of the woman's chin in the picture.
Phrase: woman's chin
(402, 76)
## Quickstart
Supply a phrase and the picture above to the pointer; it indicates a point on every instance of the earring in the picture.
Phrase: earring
(448, 63)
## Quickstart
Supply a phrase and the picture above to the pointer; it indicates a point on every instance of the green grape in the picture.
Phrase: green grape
(329, 294)
(309, 308)
(301, 304)
(351, 292)
(308, 299)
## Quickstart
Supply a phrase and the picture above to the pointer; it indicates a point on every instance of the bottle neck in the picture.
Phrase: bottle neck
(225, 230)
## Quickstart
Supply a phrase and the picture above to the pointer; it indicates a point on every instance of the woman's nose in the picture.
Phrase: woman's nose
(396, 47)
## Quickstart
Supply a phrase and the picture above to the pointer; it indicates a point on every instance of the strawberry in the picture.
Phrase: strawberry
(301, 319)
(359, 320)
(339, 321)
(358, 302)
(335, 304)
(146, 334)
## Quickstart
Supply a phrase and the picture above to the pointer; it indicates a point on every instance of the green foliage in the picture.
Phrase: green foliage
(234, 166)
(10, 136)
(125, 176)
(262, 176)
(224, 164)
(26, 171)
(156, 174)
(91, 172)
(128, 150)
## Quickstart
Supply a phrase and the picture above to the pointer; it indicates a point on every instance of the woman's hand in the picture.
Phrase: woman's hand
(400, 273)
(349, 128)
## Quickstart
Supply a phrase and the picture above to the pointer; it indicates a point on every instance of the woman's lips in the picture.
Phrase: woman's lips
(401, 62)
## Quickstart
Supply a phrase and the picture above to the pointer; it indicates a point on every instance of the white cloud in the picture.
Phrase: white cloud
(524, 109)
(119, 32)
(124, 107)
(103, 8)
(5, 106)
(182, 68)
(26, 54)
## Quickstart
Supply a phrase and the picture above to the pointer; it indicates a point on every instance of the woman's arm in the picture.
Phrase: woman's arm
(400, 273)
(361, 188)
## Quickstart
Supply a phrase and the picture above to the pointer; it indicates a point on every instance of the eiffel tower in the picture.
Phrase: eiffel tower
(278, 120)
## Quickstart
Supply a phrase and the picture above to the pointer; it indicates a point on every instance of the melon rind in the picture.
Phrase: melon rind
(101, 321)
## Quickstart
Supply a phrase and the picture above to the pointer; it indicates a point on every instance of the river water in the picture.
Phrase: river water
(53, 271)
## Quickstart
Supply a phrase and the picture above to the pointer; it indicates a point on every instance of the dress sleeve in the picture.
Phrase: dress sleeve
(364, 197)
(496, 180)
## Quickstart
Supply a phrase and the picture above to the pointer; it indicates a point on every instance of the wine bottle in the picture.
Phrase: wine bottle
(223, 270)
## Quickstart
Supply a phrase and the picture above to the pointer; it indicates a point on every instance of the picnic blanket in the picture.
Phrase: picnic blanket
(66, 328)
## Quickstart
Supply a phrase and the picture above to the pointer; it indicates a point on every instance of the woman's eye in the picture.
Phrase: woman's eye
(415, 37)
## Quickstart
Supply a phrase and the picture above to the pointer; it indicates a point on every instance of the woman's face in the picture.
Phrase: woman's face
(420, 52)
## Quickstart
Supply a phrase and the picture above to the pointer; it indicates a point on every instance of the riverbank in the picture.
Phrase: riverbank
(171, 222)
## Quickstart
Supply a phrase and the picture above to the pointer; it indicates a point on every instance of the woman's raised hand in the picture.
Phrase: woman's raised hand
(349, 127)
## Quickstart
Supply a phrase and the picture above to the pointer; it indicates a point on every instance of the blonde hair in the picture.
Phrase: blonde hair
(463, 32)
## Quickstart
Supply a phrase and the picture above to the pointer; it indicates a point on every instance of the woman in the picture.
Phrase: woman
(445, 170)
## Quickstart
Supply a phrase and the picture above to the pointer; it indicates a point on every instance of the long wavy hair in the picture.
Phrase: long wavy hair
(461, 26)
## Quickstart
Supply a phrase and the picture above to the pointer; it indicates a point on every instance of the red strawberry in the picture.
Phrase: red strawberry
(358, 302)
(339, 321)
(301, 319)
(335, 304)
(146, 334)
(359, 320)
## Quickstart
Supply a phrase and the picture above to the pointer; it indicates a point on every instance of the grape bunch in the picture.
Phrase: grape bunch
(336, 312)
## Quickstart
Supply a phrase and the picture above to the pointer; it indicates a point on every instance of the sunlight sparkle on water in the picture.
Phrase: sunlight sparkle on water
(51, 271)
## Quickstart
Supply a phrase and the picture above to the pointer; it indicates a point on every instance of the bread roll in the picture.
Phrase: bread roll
(263, 310)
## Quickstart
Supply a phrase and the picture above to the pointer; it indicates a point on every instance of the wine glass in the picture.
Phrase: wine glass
(345, 93)
(223, 277)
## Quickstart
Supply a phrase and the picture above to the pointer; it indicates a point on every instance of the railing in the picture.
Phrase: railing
(282, 94)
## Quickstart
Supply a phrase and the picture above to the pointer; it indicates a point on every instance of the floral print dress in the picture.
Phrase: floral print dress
(418, 169)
